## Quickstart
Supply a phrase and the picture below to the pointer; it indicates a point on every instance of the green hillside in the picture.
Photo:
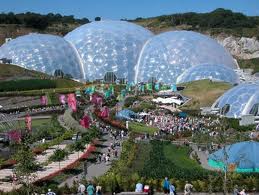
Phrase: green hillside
(203, 93)
(215, 22)
(11, 72)
(15, 78)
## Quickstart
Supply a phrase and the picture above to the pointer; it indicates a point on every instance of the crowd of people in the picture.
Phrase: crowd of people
(117, 137)
(168, 188)
(90, 189)
(171, 124)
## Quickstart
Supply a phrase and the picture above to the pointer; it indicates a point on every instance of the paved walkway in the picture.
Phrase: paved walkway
(95, 169)
(203, 156)
(50, 169)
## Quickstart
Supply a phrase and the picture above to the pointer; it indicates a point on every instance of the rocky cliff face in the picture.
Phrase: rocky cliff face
(240, 47)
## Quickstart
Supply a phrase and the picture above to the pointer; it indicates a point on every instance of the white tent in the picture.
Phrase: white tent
(170, 100)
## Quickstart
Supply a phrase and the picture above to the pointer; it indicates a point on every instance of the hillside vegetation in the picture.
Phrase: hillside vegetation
(250, 63)
(15, 78)
(11, 72)
(215, 22)
(203, 93)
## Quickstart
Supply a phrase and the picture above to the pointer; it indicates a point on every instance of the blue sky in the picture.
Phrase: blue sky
(130, 9)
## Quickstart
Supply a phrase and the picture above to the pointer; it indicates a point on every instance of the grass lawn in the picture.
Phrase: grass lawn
(35, 122)
(180, 156)
(141, 128)
(203, 93)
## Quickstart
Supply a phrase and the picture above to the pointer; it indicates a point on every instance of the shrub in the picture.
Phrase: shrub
(58, 155)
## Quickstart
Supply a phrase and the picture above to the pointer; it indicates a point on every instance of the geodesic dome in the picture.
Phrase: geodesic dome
(240, 100)
(244, 155)
(109, 46)
(169, 54)
(209, 71)
(44, 53)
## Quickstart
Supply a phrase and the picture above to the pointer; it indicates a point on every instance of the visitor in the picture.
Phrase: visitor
(236, 191)
(243, 192)
(81, 189)
(115, 153)
(90, 189)
(187, 188)
(139, 187)
(146, 189)
(98, 190)
(172, 189)
(166, 186)
(50, 192)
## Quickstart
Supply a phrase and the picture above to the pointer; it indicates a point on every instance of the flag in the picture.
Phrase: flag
(107, 94)
(71, 100)
(62, 99)
(85, 121)
(28, 122)
(111, 89)
(173, 88)
(105, 112)
(123, 93)
(99, 101)
(43, 100)
(157, 86)
(149, 86)
(128, 87)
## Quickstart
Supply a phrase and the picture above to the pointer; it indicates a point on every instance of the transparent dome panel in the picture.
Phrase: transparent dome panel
(109, 46)
(42, 52)
(209, 71)
(169, 54)
(241, 99)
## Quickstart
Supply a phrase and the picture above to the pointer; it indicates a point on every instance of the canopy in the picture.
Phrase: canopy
(244, 156)
(170, 100)
(126, 115)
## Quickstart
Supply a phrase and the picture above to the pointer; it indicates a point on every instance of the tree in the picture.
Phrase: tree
(98, 18)
(59, 73)
(26, 166)
(79, 146)
(58, 155)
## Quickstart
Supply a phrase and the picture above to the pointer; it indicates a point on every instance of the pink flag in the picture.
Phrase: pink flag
(71, 100)
(85, 122)
(105, 112)
(62, 98)
(28, 122)
(44, 100)
(99, 101)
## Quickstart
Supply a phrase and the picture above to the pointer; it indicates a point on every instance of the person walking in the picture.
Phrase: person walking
(50, 192)
(188, 188)
(98, 190)
(166, 186)
(81, 189)
(90, 189)
(172, 189)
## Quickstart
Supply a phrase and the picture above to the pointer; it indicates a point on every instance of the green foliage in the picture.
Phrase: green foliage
(130, 100)
(21, 85)
(234, 123)
(250, 63)
(167, 160)
(33, 84)
(58, 155)
(39, 21)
